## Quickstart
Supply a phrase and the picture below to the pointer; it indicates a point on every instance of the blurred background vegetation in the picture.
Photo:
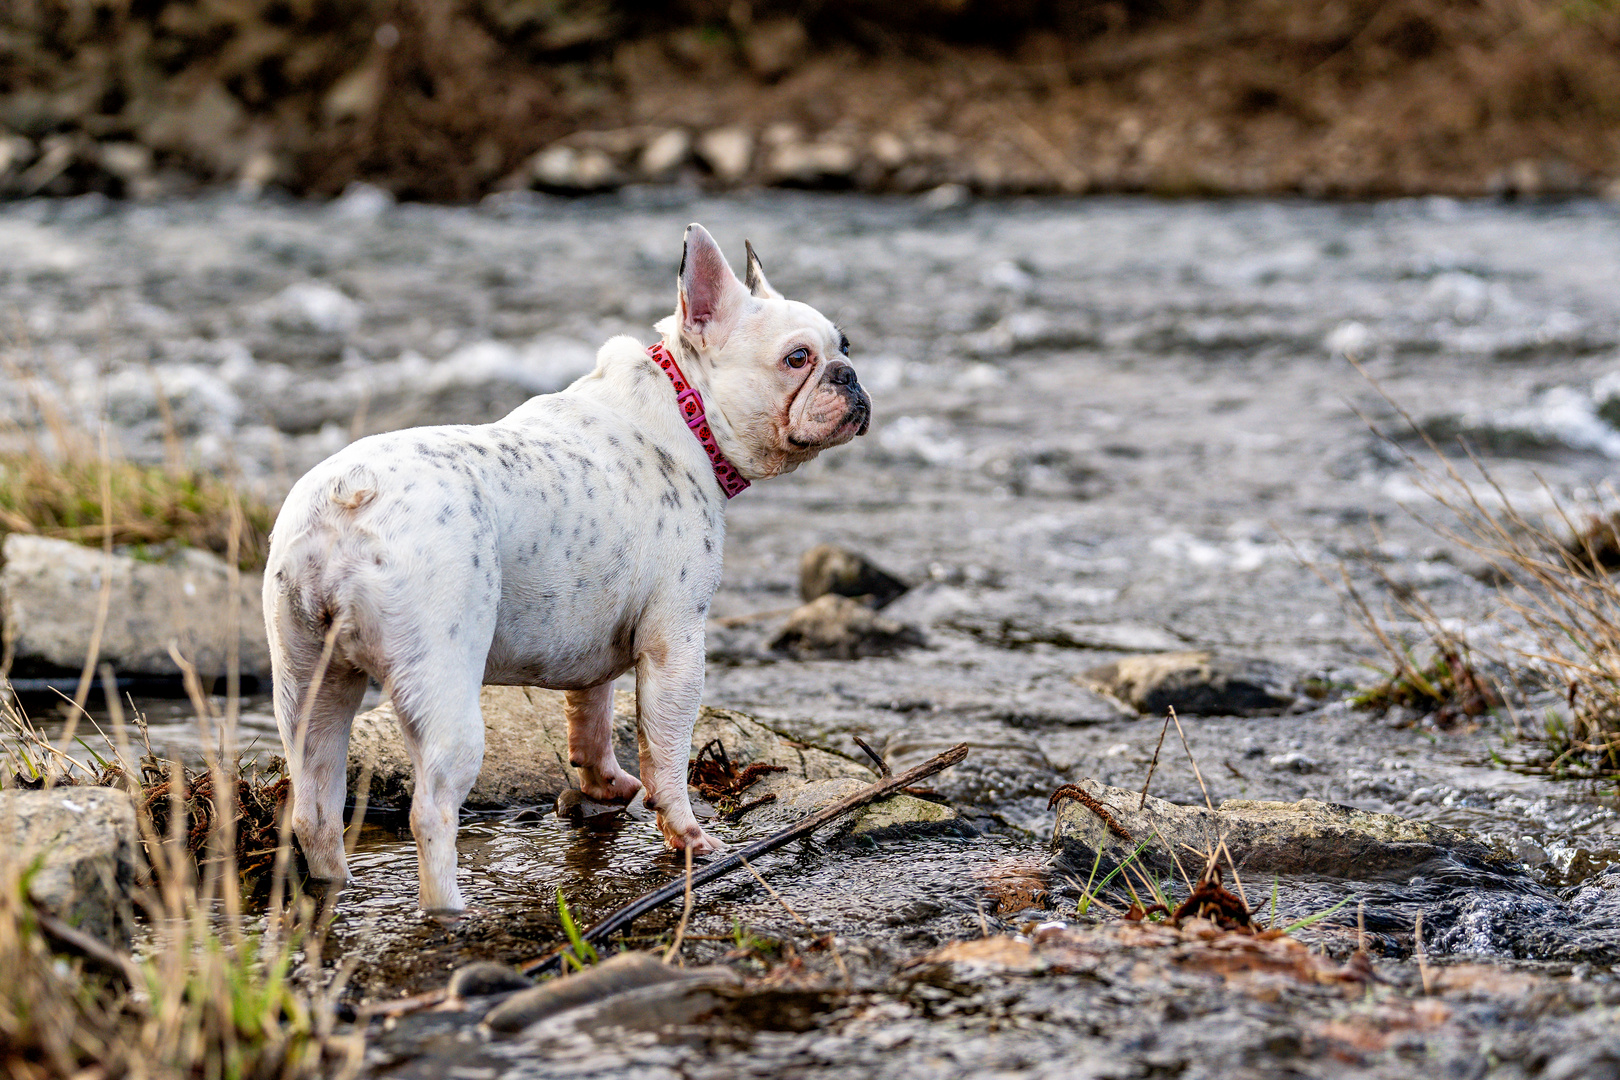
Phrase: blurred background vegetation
(453, 99)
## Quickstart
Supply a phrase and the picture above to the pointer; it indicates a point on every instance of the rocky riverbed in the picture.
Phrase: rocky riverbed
(1105, 429)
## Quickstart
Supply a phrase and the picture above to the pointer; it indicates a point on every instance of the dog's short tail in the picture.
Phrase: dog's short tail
(353, 488)
(320, 551)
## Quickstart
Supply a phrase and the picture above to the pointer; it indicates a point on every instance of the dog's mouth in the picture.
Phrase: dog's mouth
(860, 411)
(859, 417)
(860, 414)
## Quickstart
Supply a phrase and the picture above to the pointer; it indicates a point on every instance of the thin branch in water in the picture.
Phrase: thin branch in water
(1154, 764)
(774, 894)
(686, 911)
(877, 758)
(1198, 775)
(104, 599)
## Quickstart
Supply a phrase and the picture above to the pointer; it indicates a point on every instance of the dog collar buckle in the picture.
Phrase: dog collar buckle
(690, 404)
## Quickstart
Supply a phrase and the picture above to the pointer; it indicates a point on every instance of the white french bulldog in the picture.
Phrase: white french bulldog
(563, 545)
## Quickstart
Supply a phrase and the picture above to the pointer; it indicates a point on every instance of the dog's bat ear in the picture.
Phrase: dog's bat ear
(710, 294)
(755, 277)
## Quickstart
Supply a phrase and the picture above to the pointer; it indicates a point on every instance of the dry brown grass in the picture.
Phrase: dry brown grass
(1554, 592)
(151, 506)
(1558, 605)
(210, 995)
(60, 480)
(56, 1019)
(201, 1007)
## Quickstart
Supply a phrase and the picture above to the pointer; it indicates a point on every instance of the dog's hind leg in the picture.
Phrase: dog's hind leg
(444, 733)
(590, 745)
(316, 696)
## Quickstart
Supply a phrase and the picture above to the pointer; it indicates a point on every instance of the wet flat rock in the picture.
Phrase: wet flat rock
(1118, 998)
(526, 748)
(1307, 837)
(486, 978)
(1195, 946)
(1348, 1011)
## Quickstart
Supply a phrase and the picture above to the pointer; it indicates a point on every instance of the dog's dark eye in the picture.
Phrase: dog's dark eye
(797, 358)
(843, 344)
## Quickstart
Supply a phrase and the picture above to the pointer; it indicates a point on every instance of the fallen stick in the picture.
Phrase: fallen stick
(624, 916)
(111, 961)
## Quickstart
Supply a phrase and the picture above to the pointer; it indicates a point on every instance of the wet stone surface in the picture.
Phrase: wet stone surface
(1102, 430)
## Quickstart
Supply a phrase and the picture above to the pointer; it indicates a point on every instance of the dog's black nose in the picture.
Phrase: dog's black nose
(840, 374)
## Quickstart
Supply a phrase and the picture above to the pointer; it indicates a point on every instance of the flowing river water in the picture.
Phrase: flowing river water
(1102, 427)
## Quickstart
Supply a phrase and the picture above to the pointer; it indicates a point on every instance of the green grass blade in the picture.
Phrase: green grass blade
(1085, 893)
(1318, 917)
(1103, 884)
(101, 762)
(582, 948)
(1090, 893)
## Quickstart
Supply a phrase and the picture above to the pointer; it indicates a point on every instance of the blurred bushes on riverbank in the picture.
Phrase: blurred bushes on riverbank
(451, 99)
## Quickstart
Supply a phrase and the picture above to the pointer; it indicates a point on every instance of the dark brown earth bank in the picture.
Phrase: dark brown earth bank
(454, 99)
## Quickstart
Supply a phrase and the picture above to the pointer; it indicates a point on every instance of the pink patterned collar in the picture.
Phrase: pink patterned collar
(690, 402)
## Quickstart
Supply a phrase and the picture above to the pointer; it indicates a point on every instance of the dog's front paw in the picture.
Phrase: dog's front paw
(617, 789)
(692, 837)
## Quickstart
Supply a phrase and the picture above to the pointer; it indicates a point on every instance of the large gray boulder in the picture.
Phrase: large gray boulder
(1304, 837)
(86, 841)
(50, 591)
(526, 749)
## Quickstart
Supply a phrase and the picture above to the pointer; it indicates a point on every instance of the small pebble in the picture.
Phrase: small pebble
(485, 978)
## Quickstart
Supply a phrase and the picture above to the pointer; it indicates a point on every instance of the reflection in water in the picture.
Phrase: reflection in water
(511, 869)
(594, 842)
